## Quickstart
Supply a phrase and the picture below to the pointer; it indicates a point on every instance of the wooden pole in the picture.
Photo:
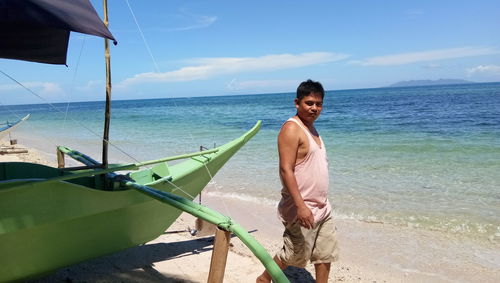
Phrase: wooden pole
(107, 112)
(60, 159)
(219, 256)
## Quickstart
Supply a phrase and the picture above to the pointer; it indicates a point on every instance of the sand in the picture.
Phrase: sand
(8, 154)
(370, 252)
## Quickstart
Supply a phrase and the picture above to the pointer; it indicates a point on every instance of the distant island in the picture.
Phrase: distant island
(430, 82)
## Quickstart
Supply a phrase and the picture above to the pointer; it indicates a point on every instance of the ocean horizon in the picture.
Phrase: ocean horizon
(246, 94)
(425, 157)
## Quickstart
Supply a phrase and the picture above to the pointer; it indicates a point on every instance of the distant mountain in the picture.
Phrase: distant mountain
(430, 82)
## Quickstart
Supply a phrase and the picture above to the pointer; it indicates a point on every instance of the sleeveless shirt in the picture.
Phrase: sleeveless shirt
(312, 179)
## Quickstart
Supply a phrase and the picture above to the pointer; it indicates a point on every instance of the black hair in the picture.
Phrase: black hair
(307, 87)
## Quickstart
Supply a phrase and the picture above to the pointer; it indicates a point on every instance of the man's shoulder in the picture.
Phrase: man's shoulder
(291, 130)
(290, 125)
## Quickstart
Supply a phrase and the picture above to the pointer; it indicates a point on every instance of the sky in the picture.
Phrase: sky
(202, 48)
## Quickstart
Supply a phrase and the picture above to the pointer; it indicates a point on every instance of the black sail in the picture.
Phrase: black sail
(38, 30)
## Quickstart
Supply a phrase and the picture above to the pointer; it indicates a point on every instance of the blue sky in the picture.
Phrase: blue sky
(203, 48)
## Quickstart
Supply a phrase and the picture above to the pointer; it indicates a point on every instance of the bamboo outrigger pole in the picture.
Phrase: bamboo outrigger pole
(107, 112)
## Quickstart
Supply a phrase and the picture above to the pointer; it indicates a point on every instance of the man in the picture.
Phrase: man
(304, 207)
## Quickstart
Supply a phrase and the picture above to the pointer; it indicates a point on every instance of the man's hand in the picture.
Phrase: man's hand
(305, 217)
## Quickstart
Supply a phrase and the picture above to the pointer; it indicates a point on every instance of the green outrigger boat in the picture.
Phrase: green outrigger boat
(55, 217)
(50, 219)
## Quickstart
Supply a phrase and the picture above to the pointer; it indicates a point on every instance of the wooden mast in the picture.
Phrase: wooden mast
(107, 112)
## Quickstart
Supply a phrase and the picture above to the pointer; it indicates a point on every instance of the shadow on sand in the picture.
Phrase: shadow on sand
(298, 275)
(131, 265)
(137, 264)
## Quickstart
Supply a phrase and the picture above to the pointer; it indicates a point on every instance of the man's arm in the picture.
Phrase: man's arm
(288, 146)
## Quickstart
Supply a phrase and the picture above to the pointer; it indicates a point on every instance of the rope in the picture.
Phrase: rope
(157, 69)
(65, 113)
(12, 112)
(74, 78)
(59, 111)
(91, 131)
(143, 38)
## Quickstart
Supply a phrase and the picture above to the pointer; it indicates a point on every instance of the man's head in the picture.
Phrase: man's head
(309, 101)
(308, 87)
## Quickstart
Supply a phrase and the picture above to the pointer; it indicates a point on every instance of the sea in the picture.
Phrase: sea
(424, 157)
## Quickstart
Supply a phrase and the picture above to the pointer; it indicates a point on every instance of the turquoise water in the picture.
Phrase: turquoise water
(425, 157)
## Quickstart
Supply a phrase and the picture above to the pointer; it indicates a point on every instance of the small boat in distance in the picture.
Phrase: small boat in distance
(8, 127)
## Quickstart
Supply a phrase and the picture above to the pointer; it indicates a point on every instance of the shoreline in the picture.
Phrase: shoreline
(378, 252)
(369, 252)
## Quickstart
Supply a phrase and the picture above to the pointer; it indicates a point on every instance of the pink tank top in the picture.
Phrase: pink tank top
(313, 180)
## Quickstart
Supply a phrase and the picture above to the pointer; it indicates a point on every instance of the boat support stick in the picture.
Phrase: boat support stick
(218, 219)
(85, 159)
(110, 169)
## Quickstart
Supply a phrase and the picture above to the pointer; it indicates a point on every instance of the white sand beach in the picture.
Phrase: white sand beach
(370, 252)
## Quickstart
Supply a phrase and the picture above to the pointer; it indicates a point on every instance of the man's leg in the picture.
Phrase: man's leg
(322, 272)
(266, 277)
(325, 251)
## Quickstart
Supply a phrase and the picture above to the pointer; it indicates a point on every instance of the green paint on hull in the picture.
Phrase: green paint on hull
(47, 226)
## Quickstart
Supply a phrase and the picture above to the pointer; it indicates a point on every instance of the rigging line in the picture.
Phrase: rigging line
(74, 78)
(12, 112)
(17, 82)
(157, 68)
(94, 133)
(143, 38)
(155, 63)
(59, 111)
(226, 209)
(88, 129)
(158, 71)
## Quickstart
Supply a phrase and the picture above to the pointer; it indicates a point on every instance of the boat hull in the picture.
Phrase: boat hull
(44, 227)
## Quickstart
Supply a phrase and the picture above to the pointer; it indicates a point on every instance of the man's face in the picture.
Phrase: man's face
(309, 107)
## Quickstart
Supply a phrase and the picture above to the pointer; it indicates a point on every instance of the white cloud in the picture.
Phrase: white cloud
(484, 69)
(91, 85)
(189, 21)
(183, 19)
(193, 21)
(32, 92)
(205, 68)
(199, 22)
(432, 55)
(51, 88)
(45, 88)
(9, 87)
